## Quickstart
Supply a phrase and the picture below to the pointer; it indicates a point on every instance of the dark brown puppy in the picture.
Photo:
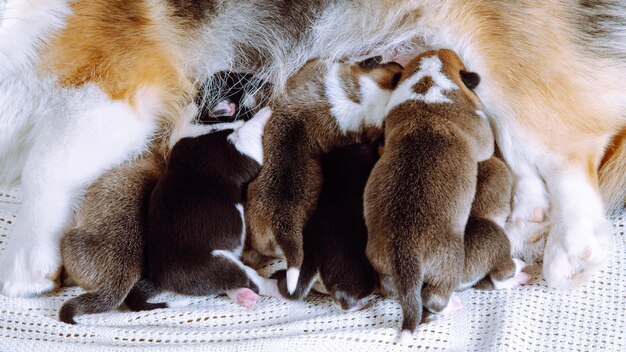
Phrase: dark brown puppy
(419, 195)
(104, 253)
(196, 222)
(335, 236)
(325, 106)
(487, 247)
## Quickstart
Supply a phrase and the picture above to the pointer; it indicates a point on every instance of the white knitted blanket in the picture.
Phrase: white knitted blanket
(530, 318)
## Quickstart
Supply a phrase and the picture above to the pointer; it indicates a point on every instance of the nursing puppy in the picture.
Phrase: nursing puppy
(335, 236)
(86, 84)
(104, 252)
(196, 223)
(487, 247)
(419, 195)
(325, 106)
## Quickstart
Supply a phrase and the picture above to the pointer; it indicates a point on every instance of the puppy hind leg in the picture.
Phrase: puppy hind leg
(508, 274)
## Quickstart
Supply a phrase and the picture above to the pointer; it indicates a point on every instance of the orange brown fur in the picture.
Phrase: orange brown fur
(125, 52)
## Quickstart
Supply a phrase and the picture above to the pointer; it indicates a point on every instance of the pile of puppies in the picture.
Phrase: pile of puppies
(366, 177)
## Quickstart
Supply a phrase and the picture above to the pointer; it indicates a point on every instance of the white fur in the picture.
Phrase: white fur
(345, 111)
(248, 139)
(481, 114)
(429, 67)
(352, 116)
(292, 279)
(517, 279)
(86, 134)
(577, 245)
(24, 28)
(239, 249)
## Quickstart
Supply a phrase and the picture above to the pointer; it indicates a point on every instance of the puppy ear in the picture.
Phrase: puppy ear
(371, 63)
(470, 79)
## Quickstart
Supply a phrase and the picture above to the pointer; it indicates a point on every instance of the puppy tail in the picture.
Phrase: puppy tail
(408, 280)
(305, 282)
(137, 299)
(611, 175)
(99, 301)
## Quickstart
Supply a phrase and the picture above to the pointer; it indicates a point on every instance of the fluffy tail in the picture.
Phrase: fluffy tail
(137, 299)
(612, 176)
(409, 280)
(99, 301)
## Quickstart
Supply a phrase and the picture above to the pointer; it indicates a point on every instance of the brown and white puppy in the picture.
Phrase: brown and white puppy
(325, 106)
(104, 252)
(419, 195)
(196, 225)
(487, 247)
(335, 235)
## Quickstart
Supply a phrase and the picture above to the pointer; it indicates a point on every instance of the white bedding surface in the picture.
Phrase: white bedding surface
(530, 318)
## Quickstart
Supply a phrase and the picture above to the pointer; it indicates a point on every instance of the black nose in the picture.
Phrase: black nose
(470, 79)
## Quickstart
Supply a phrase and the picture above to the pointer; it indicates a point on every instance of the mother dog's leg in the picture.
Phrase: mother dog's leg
(72, 149)
(117, 72)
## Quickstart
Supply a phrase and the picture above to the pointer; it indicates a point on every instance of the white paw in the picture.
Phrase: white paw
(454, 305)
(574, 251)
(405, 337)
(520, 277)
(28, 271)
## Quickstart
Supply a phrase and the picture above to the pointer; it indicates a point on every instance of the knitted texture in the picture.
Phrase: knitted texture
(529, 318)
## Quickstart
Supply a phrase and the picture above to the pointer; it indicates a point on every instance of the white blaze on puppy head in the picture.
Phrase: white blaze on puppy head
(429, 67)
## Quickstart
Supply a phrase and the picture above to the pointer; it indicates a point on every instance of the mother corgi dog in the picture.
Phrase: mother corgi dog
(85, 85)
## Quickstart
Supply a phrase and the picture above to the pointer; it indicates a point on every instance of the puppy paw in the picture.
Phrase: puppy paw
(575, 251)
(454, 305)
(519, 278)
(246, 297)
(28, 271)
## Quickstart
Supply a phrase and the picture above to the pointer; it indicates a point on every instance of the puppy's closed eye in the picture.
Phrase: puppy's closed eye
(470, 79)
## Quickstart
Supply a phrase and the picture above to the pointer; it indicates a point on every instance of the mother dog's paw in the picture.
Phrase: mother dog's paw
(575, 251)
(528, 223)
(28, 271)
